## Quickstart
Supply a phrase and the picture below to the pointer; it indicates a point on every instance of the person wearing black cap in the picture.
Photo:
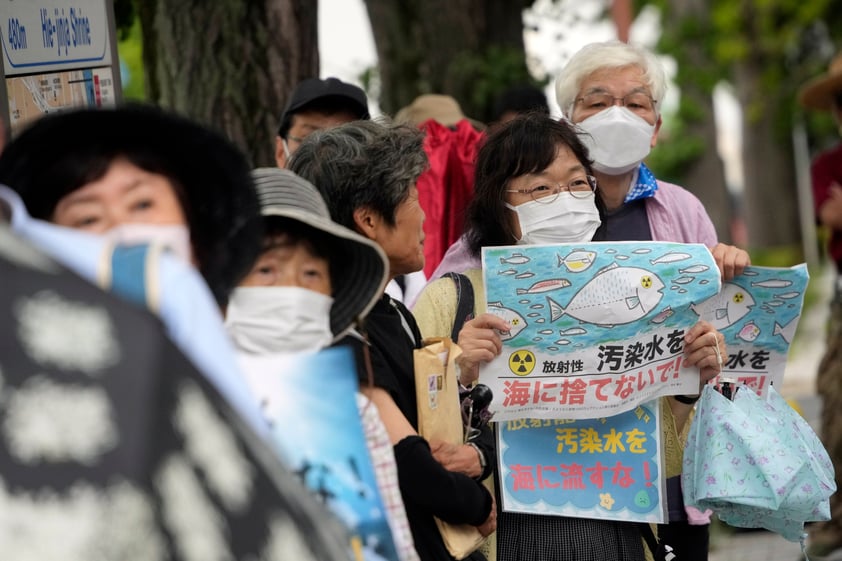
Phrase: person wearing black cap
(317, 104)
(824, 93)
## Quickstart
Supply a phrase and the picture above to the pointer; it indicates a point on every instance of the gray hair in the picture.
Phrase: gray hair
(361, 164)
(610, 54)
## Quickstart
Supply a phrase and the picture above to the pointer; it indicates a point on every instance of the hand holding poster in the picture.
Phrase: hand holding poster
(597, 328)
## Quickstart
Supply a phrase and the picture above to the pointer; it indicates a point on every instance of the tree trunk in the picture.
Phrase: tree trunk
(469, 49)
(230, 63)
(704, 175)
(770, 196)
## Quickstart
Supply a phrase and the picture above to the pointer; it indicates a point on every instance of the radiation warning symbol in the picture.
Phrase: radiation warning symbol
(522, 362)
(738, 297)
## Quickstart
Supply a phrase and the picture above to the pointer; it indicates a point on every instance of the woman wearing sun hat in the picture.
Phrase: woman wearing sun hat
(313, 282)
(824, 93)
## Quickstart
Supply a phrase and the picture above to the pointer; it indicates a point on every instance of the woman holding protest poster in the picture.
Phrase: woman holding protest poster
(534, 185)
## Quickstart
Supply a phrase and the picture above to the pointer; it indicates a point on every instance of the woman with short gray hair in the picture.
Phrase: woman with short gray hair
(367, 172)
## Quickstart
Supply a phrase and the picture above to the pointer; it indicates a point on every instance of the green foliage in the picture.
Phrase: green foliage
(130, 51)
(125, 14)
(488, 73)
(668, 159)
(781, 256)
(780, 39)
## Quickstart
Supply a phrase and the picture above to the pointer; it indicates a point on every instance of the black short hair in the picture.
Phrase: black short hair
(527, 144)
(523, 98)
(61, 152)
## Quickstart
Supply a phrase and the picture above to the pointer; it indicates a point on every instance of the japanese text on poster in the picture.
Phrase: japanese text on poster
(597, 328)
(606, 468)
(758, 313)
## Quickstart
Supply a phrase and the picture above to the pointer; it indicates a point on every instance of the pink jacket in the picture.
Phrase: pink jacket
(674, 213)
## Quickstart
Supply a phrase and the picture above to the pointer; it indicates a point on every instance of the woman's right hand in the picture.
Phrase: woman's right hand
(490, 524)
(480, 342)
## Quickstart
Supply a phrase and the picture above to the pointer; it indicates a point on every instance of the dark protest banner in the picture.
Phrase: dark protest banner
(113, 446)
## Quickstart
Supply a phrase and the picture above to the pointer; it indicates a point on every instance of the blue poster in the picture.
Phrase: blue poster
(309, 400)
(607, 468)
(758, 314)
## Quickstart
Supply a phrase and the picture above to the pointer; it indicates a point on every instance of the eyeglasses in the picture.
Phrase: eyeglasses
(638, 102)
(580, 187)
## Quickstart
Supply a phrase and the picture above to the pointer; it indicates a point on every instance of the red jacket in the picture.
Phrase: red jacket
(445, 189)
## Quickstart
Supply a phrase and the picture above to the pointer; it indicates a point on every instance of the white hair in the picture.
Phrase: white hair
(610, 54)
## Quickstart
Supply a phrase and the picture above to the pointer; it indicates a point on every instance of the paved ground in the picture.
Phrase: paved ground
(799, 385)
(754, 546)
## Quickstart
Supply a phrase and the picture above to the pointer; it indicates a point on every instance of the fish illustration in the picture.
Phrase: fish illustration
(726, 308)
(786, 331)
(525, 275)
(683, 280)
(788, 295)
(573, 331)
(535, 306)
(642, 250)
(774, 303)
(523, 301)
(544, 286)
(507, 272)
(749, 332)
(772, 283)
(750, 273)
(563, 342)
(670, 257)
(533, 315)
(546, 332)
(552, 348)
(621, 257)
(616, 295)
(577, 261)
(514, 319)
(694, 270)
(662, 315)
(515, 259)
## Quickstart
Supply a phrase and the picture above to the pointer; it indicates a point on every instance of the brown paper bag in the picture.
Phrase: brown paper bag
(440, 418)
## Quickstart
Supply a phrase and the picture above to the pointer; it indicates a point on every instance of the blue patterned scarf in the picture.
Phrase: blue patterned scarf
(644, 187)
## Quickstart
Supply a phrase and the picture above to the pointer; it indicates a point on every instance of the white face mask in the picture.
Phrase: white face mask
(176, 237)
(567, 219)
(617, 140)
(278, 319)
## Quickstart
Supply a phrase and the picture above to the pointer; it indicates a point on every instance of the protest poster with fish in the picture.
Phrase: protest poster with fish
(597, 329)
(758, 313)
